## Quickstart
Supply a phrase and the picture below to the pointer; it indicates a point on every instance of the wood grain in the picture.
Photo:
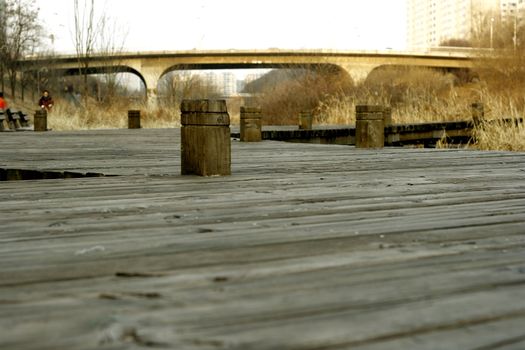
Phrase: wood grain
(304, 247)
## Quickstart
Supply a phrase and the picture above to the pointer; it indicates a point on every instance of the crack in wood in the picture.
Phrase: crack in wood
(29, 174)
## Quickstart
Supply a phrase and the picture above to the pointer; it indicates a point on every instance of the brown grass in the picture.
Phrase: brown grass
(500, 136)
(416, 95)
(68, 117)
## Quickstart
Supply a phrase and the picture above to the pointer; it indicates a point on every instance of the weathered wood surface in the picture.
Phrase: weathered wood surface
(205, 138)
(303, 247)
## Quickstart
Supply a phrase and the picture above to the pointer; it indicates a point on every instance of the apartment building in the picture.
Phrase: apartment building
(431, 22)
(513, 11)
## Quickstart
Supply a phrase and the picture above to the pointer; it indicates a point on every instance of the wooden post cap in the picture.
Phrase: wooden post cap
(203, 106)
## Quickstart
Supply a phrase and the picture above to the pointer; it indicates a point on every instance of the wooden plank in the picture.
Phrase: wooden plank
(304, 246)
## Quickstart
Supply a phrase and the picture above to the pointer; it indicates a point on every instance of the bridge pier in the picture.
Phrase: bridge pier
(151, 97)
(151, 77)
(359, 71)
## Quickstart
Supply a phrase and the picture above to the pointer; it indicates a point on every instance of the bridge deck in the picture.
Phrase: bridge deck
(304, 247)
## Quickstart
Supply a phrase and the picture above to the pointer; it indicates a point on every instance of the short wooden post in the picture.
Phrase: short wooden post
(205, 138)
(40, 120)
(133, 119)
(305, 121)
(369, 132)
(387, 116)
(251, 125)
(478, 113)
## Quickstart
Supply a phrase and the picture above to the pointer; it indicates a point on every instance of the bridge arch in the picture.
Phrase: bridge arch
(151, 66)
(232, 66)
(460, 74)
(104, 70)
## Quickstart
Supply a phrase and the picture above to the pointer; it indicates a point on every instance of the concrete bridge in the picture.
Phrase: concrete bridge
(151, 66)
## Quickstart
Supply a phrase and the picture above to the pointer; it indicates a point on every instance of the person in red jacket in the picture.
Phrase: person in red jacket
(46, 101)
(3, 103)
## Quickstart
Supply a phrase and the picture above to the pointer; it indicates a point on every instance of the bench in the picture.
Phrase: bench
(24, 119)
(4, 124)
(13, 119)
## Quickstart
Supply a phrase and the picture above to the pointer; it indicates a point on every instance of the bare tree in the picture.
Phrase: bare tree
(20, 37)
(86, 31)
(182, 84)
(501, 69)
(3, 38)
(95, 32)
(111, 41)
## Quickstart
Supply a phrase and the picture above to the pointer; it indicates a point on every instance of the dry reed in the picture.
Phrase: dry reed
(65, 116)
(416, 95)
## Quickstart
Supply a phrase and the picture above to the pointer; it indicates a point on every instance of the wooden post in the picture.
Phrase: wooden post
(387, 116)
(205, 138)
(305, 121)
(40, 120)
(478, 113)
(251, 125)
(369, 131)
(133, 119)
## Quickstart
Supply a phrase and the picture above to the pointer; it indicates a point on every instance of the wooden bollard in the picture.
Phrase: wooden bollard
(305, 121)
(205, 138)
(40, 120)
(478, 113)
(133, 119)
(387, 116)
(251, 125)
(369, 131)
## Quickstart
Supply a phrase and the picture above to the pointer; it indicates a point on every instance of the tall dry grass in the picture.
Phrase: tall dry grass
(500, 136)
(415, 94)
(67, 117)
(420, 95)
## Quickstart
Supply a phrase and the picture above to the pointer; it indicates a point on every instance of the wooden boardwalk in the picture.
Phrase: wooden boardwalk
(304, 247)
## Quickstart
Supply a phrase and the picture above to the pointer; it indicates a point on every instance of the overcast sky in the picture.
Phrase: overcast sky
(155, 25)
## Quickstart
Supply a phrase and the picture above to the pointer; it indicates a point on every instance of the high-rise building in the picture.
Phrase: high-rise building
(513, 11)
(431, 22)
(226, 82)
